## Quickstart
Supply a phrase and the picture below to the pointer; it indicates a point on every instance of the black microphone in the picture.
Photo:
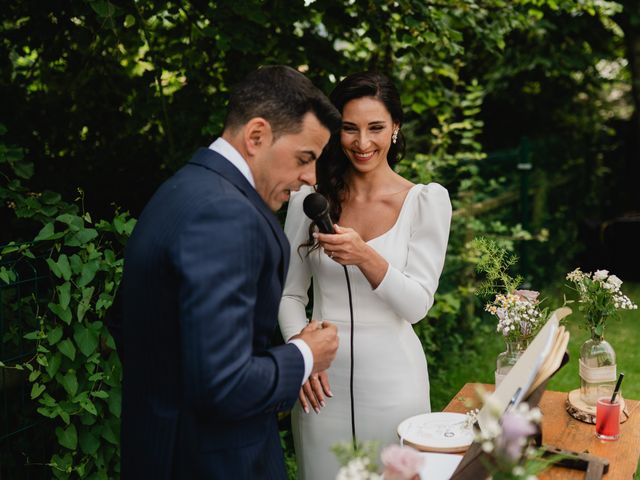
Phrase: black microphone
(316, 207)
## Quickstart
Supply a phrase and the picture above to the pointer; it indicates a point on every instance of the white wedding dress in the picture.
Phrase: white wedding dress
(391, 381)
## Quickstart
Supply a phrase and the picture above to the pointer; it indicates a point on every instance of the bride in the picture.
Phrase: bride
(392, 237)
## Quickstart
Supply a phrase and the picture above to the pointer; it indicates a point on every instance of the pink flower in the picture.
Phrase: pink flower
(401, 463)
(529, 295)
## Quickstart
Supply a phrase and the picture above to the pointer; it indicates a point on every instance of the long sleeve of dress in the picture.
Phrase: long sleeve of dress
(292, 315)
(410, 291)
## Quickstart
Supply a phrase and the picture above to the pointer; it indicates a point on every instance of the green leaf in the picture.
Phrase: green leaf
(53, 266)
(33, 376)
(35, 335)
(89, 443)
(64, 267)
(7, 276)
(54, 335)
(108, 433)
(69, 382)
(54, 364)
(50, 198)
(115, 402)
(68, 437)
(88, 406)
(96, 376)
(129, 21)
(63, 415)
(82, 237)
(36, 390)
(48, 400)
(76, 263)
(88, 273)
(64, 294)
(45, 233)
(67, 348)
(41, 358)
(62, 464)
(86, 339)
(46, 412)
(85, 304)
(100, 394)
(75, 222)
(23, 169)
(63, 313)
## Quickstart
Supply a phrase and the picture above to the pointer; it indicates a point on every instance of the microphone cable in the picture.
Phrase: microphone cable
(353, 417)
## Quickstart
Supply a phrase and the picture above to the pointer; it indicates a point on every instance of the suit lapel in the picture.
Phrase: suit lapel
(214, 161)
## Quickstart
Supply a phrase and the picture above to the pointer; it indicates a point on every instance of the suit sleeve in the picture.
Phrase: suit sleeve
(410, 291)
(292, 316)
(219, 257)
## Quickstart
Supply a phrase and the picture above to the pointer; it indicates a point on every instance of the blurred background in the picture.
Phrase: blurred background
(527, 111)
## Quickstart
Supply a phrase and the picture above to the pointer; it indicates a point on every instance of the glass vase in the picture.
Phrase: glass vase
(597, 369)
(507, 359)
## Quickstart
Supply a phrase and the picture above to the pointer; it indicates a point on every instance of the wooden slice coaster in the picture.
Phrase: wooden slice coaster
(579, 410)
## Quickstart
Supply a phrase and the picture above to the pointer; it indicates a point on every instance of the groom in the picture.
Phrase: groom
(203, 277)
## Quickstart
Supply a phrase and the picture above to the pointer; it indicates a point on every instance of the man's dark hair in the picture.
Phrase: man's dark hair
(282, 96)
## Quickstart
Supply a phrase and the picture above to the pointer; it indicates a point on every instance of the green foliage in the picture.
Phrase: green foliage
(495, 262)
(74, 371)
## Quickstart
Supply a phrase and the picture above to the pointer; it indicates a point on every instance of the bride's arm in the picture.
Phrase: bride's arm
(292, 316)
(410, 291)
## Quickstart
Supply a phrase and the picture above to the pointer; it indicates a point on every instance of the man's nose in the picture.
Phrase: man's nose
(308, 175)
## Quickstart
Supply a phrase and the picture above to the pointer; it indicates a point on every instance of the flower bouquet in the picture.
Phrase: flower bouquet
(507, 443)
(399, 462)
(600, 299)
(518, 311)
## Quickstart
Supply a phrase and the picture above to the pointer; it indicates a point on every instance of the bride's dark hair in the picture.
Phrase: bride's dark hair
(333, 164)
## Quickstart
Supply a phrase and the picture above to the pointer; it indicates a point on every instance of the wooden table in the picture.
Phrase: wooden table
(563, 431)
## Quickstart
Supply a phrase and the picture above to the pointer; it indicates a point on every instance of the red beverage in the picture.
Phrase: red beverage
(607, 419)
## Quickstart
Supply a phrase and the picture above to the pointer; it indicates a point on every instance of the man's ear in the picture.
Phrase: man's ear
(257, 135)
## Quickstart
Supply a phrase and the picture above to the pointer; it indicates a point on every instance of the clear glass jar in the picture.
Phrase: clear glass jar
(507, 359)
(597, 369)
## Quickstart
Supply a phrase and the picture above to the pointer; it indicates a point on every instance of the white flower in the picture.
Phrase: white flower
(600, 275)
(615, 281)
(576, 275)
(518, 471)
(487, 446)
(357, 469)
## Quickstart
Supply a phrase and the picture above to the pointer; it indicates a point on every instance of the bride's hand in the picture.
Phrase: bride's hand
(314, 390)
(345, 246)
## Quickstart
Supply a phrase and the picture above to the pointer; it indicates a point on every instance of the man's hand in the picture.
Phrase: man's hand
(322, 339)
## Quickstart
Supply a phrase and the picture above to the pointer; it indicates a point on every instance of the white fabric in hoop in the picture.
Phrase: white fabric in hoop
(597, 374)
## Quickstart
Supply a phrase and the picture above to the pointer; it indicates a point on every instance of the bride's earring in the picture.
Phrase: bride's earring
(394, 137)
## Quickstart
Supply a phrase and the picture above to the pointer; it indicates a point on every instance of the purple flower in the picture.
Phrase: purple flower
(515, 431)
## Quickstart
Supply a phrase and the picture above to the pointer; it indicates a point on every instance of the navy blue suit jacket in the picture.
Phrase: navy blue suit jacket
(203, 276)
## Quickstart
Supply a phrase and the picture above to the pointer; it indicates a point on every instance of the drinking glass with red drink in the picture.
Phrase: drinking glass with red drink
(607, 419)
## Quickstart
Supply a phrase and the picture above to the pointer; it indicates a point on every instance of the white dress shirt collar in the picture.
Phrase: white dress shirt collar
(227, 150)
